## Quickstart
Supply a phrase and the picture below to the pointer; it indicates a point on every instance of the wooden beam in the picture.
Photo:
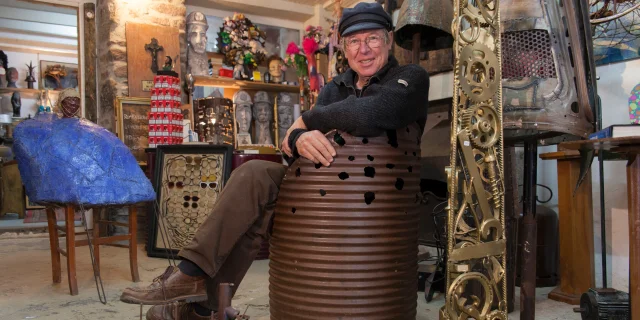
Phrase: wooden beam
(40, 51)
(90, 63)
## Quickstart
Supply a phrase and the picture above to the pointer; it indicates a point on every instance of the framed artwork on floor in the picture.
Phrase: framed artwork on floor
(188, 181)
(132, 125)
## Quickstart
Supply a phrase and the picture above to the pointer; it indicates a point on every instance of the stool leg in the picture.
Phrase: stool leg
(71, 249)
(96, 239)
(133, 243)
(54, 243)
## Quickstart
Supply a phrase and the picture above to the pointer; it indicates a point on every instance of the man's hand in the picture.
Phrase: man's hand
(314, 146)
(298, 124)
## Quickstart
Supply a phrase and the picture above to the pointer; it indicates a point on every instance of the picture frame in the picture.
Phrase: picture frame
(188, 180)
(58, 75)
(132, 124)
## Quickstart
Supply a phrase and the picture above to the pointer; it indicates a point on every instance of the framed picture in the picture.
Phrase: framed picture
(132, 125)
(31, 205)
(188, 181)
(58, 75)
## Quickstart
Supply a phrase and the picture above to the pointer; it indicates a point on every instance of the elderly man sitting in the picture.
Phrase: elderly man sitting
(374, 95)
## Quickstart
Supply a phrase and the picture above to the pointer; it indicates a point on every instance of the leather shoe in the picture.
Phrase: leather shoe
(171, 286)
(176, 311)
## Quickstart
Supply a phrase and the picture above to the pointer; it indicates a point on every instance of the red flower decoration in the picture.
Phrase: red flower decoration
(292, 48)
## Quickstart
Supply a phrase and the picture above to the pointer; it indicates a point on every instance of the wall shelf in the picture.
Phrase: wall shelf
(28, 93)
(240, 84)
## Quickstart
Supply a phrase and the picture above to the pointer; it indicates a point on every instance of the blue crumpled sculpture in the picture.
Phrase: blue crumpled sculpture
(74, 161)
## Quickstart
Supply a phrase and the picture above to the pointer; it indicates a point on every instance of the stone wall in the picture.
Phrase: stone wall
(112, 16)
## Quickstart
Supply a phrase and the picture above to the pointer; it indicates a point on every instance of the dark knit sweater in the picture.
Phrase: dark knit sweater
(395, 97)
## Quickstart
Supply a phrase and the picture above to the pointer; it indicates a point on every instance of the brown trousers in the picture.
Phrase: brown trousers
(229, 239)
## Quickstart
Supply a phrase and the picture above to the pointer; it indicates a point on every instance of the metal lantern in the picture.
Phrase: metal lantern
(424, 25)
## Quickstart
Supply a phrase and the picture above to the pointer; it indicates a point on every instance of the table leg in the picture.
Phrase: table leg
(133, 243)
(633, 194)
(575, 214)
(71, 249)
(96, 239)
(54, 244)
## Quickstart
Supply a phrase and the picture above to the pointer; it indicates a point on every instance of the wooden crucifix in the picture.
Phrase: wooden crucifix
(154, 48)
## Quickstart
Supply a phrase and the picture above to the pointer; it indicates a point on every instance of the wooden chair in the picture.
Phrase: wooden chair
(71, 243)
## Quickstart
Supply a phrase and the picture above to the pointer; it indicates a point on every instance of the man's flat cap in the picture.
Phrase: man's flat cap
(364, 16)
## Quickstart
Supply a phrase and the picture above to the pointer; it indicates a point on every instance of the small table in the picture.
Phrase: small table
(627, 148)
(575, 215)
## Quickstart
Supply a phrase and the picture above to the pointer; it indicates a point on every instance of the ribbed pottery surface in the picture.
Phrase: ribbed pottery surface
(335, 256)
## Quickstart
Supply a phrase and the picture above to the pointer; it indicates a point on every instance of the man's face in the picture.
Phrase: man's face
(243, 117)
(262, 112)
(285, 117)
(364, 59)
(274, 68)
(198, 38)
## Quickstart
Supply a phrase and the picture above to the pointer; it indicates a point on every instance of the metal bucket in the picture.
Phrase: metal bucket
(344, 242)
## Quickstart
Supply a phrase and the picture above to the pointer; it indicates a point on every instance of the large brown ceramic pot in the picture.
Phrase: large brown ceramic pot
(344, 243)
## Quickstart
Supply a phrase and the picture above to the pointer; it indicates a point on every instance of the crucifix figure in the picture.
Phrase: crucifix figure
(154, 48)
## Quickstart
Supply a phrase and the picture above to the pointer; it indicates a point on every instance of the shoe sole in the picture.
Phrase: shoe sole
(187, 299)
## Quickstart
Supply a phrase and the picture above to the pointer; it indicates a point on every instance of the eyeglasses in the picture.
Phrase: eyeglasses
(209, 177)
(190, 196)
(211, 185)
(175, 181)
(193, 205)
(353, 44)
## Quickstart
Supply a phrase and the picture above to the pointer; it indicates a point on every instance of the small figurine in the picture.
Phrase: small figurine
(16, 103)
(263, 114)
(3, 68)
(239, 72)
(197, 27)
(12, 77)
(30, 78)
(267, 77)
(275, 64)
(175, 60)
(243, 117)
(153, 47)
(168, 64)
(42, 102)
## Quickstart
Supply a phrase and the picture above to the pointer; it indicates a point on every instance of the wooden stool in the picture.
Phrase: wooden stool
(70, 252)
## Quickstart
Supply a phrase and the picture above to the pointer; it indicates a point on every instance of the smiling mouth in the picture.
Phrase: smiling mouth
(366, 61)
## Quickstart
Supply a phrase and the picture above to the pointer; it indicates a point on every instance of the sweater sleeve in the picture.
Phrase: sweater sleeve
(398, 102)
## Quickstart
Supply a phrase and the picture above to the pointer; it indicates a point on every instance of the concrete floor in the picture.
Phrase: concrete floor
(27, 292)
